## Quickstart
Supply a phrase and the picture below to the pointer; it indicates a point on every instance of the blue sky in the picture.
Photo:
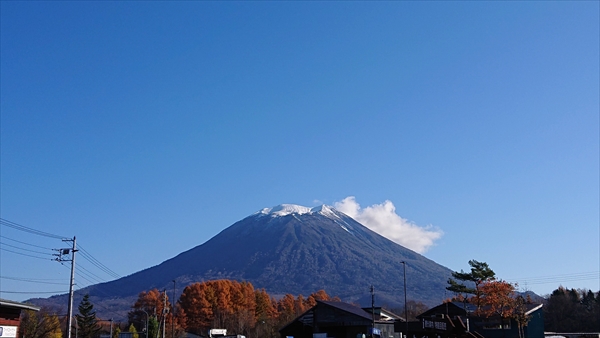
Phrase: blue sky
(146, 128)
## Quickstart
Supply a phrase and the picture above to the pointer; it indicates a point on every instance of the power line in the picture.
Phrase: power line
(22, 254)
(593, 275)
(20, 227)
(14, 240)
(17, 247)
(89, 274)
(33, 292)
(85, 254)
(97, 263)
(31, 280)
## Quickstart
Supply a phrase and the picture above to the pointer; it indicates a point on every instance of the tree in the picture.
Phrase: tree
(86, 319)
(497, 299)
(152, 302)
(133, 331)
(286, 308)
(153, 327)
(572, 310)
(480, 273)
(40, 324)
(266, 314)
(223, 304)
(520, 314)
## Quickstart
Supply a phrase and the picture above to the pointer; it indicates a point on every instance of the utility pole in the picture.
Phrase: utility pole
(372, 310)
(165, 311)
(60, 258)
(405, 308)
(173, 313)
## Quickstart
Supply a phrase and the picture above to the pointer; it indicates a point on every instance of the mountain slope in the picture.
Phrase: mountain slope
(297, 250)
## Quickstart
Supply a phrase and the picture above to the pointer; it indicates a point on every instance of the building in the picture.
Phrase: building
(10, 317)
(330, 319)
(456, 319)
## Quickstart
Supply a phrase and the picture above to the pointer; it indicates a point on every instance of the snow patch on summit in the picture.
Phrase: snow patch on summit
(294, 210)
(289, 209)
(285, 209)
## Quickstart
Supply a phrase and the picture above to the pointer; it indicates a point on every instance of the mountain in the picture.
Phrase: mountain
(289, 249)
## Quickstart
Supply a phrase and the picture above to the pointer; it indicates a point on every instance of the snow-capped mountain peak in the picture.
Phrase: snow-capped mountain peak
(289, 209)
(284, 210)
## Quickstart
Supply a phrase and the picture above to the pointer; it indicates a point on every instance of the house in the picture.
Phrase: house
(460, 320)
(329, 319)
(10, 317)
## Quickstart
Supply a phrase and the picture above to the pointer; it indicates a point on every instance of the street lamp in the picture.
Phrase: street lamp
(146, 313)
(405, 308)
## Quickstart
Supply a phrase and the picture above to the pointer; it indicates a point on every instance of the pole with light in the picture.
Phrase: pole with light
(146, 313)
(405, 308)
(373, 310)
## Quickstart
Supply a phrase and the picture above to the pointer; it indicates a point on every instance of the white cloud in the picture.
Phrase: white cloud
(382, 219)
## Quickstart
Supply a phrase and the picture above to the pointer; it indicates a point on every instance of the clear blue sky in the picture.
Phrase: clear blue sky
(145, 128)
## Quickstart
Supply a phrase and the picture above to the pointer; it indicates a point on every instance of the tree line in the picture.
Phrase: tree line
(570, 310)
(564, 310)
(242, 309)
(224, 304)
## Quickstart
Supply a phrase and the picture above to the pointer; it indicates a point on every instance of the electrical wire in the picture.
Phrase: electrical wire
(34, 292)
(84, 253)
(97, 263)
(88, 273)
(33, 245)
(22, 254)
(574, 277)
(31, 280)
(16, 247)
(20, 227)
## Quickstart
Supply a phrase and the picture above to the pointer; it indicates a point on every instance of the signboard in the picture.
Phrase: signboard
(430, 324)
(8, 331)
(375, 331)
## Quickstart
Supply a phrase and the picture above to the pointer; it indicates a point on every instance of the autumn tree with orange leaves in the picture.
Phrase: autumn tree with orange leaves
(493, 298)
(151, 304)
(497, 299)
(239, 308)
(224, 304)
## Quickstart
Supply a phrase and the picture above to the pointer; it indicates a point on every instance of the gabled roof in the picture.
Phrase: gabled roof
(455, 308)
(470, 308)
(355, 310)
(17, 305)
(307, 317)
(532, 308)
(390, 315)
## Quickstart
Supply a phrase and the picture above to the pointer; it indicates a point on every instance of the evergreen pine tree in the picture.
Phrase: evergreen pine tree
(86, 319)
(153, 327)
(480, 274)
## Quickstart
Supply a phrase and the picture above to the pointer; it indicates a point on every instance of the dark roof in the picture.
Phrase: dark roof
(17, 305)
(355, 310)
(466, 308)
(470, 308)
